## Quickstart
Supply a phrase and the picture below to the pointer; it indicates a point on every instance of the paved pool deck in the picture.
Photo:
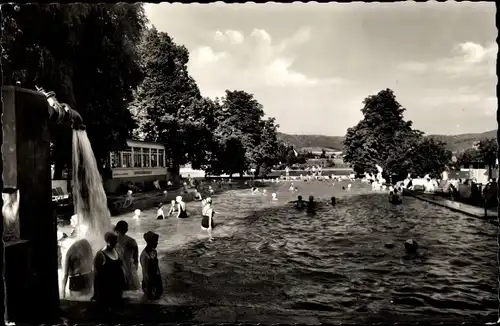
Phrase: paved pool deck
(455, 206)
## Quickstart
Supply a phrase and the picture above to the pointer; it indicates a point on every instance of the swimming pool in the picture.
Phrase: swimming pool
(267, 254)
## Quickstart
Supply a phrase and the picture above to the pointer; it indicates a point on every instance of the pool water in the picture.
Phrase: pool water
(268, 254)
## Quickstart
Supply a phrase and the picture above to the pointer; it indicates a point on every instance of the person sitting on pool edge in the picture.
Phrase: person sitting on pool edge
(311, 205)
(181, 207)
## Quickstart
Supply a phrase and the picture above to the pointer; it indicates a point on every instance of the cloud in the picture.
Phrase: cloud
(467, 59)
(235, 61)
(232, 36)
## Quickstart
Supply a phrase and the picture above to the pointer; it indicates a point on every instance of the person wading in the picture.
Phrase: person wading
(129, 254)
(151, 278)
(77, 266)
(109, 281)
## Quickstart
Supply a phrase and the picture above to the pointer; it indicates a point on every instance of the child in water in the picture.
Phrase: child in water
(311, 206)
(173, 208)
(159, 213)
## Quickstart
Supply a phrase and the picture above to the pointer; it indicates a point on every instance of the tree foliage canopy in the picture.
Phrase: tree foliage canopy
(383, 137)
(168, 105)
(85, 53)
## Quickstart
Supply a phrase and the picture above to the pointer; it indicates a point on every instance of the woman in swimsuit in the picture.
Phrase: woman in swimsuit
(109, 281)
(181, 207)
(207, 220)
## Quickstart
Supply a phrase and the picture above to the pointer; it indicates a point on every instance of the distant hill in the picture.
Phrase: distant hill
(455, 142)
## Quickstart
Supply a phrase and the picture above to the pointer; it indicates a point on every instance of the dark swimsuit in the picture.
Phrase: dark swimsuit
(109, 282)
(205, 221)
(183, 213)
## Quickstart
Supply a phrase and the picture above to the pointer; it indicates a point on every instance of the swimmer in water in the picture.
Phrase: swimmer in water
(292, 188)
(264, 192)
(311, 206)
(349, 187)
(137, 214)
(333, 201)
(274, 196)
(255, 190)
(173, 208)
(394, 198)
(343, 188)
(197, 195)
(159, 213)
(299, 203)
(181, 207)
(210, 190)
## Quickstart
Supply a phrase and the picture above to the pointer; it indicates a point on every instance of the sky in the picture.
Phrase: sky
(311, 65)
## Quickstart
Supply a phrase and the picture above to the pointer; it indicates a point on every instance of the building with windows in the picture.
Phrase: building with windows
(140, 163)
(479, 171)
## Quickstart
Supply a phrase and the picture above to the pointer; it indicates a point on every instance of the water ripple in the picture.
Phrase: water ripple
(268, 253)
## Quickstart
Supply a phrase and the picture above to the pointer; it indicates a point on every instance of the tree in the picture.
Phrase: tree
(382, 137)
(85, 53)
(239, 118)
(470, 155)
(487, 150)
(168, 105)
(429, 156)
(265, 153)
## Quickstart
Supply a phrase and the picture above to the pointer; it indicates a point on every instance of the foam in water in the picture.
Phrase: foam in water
(88, 192)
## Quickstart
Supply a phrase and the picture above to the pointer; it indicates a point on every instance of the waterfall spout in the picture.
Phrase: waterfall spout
(62, 112)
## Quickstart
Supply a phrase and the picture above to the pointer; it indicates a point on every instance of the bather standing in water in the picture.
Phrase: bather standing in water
(181, 207)
(77, 267)
(128, 251)
(311, 205)
(151, 279)
(109, 281)
(299, 203)
(207, 218)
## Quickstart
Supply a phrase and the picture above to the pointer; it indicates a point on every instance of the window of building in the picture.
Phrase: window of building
(137, 157)
(146, 157)
(161, 158)
(115, 160)
(127, 158)
(154, 158)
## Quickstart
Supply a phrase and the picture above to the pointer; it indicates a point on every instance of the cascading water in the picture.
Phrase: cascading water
(89, 198)
(92, 218)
